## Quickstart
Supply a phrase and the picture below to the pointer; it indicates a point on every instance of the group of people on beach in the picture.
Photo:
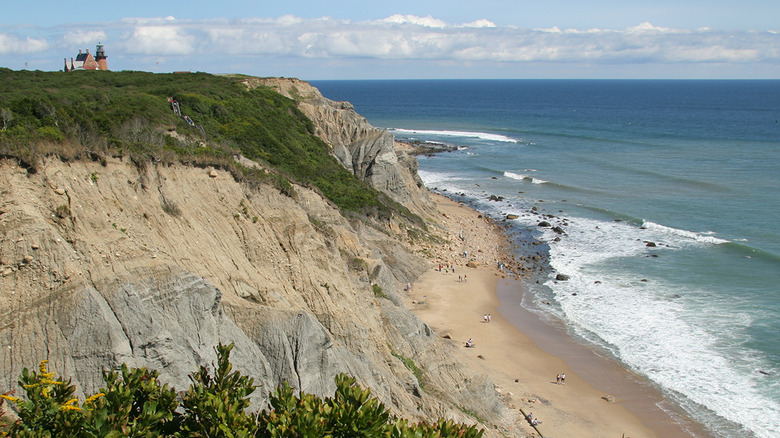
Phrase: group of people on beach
(447, 268)
(487, 317)
(560, 379)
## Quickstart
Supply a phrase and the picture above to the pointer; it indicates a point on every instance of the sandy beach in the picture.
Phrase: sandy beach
(524, 373)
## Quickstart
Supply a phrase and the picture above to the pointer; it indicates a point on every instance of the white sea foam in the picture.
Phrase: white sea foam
(699, 237)
(444, 181)
(517, 176)
(659, 336)
(466, 134)
(522, 177)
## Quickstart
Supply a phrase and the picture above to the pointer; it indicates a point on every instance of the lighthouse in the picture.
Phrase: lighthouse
(100, 57)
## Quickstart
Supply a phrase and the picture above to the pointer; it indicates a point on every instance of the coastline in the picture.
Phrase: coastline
(521, 352)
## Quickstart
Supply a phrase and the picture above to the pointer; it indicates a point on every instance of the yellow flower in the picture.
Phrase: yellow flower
(71, 402)
(69, 408)
(92, 398)
(10, 398)
(42, 366)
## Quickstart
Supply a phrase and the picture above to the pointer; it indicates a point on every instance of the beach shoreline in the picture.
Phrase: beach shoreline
(600, 398)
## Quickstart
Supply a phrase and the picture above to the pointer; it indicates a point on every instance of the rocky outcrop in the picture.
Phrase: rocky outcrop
(108, 264)
(368, 152)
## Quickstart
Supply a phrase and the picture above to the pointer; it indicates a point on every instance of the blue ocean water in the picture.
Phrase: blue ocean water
(691, 166)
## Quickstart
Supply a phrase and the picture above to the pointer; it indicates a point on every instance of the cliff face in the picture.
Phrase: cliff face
(101, 265)
(368, 152)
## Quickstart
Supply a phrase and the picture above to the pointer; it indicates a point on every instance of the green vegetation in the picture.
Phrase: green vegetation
(91, 115)
(134, 403)
(410, 365)
(358, 264)
(378, 291)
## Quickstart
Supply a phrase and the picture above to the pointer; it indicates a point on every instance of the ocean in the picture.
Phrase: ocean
(668, 196)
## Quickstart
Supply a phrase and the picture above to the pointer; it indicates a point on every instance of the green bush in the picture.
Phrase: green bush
(134, 403)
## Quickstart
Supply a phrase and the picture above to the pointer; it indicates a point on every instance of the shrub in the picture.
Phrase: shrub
(170, 207)
(50, 405)
(215, 406)
(134, 403)
(62, 211)
(378, 291)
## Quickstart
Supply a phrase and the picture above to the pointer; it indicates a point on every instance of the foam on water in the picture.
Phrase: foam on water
(465, 134)
(522, 177)
(702, 237)
(517, 176)
(650, 325)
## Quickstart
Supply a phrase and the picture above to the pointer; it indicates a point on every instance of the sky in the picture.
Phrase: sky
(404, 39)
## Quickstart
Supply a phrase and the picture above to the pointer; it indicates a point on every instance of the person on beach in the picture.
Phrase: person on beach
(485, 318)
(558, 379)
(469, 343)
(465, 278)
(489, 317)
(563, 379)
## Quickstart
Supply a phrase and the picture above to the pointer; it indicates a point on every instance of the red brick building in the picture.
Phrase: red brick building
(85, 61)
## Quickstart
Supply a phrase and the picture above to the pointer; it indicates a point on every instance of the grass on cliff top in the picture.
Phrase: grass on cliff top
(91, 114)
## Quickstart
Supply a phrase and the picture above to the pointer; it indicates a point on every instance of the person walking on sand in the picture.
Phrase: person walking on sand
(563, 379)
(558, 379)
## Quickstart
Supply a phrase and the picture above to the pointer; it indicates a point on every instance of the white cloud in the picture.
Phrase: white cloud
(12, 44)
(398, 38)
(480, 23)
(159, 40)
(411, 37)
(647, 27)
(413, 19)
(79, 38)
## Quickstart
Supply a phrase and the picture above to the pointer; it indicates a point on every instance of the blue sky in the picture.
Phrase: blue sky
(346, 39)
